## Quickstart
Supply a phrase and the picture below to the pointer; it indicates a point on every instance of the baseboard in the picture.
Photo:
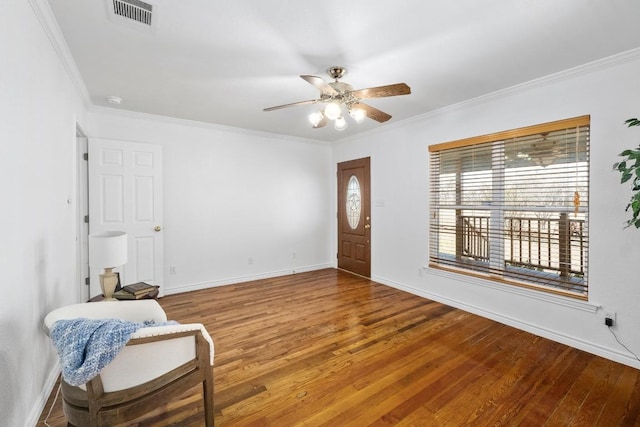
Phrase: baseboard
(42, 398)
(241, 279)
(587, 346)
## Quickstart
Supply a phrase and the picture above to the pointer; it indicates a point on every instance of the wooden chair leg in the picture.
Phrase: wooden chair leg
(207, 392)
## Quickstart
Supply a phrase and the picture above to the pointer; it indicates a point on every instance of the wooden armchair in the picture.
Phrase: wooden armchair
(157, 365)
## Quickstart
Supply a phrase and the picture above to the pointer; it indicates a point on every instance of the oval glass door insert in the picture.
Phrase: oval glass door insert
(354, 205)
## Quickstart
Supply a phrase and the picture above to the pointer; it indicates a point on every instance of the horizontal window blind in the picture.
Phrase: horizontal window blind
(513, 206)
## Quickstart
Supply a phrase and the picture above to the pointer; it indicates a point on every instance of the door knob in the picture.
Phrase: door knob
(157, 228)
(367, 226)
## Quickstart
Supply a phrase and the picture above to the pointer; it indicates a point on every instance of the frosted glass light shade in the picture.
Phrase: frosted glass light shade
(340, 124)
(332, 111)
(358, 115)
(315, 118)
(108, 249)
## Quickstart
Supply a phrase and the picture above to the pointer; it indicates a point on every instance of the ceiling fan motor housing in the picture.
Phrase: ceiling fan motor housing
(336, 72)
(344, 93)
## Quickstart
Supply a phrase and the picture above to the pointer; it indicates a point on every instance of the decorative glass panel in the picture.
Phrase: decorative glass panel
(354, 206)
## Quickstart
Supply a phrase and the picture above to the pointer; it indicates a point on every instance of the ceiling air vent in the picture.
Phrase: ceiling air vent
(133, 13)
(136, 10)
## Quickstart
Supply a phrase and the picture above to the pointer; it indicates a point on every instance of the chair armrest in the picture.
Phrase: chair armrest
(152, 352)
(135, 311)
(168, 330)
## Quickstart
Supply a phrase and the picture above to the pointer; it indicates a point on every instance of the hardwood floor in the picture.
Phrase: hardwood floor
(327, 348)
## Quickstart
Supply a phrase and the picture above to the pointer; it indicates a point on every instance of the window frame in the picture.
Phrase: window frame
(436, 207)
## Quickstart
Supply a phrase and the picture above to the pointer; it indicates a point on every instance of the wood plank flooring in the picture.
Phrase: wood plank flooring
(327, 348)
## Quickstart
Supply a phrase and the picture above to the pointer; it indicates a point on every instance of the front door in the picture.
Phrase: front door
(354, 217)
(125, 194)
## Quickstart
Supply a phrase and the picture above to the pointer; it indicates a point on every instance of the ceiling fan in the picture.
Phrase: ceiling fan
(337, 94)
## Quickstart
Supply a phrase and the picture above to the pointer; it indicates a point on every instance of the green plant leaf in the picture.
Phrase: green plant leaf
(632, 122)
(629, 172)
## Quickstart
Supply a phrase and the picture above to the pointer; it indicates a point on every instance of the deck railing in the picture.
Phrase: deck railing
(549, 244)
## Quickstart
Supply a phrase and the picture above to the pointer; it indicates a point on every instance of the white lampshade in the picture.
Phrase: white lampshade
(108, 249)
(332, 111)
(358, 115)
(316, 118)
(340, 124)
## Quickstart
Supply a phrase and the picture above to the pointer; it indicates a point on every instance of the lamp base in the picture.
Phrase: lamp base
(108, 283)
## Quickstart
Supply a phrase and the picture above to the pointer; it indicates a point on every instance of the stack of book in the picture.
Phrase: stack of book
(135, 291)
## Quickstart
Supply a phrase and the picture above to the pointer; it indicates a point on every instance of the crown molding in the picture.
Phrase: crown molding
(135, 115)
(580, 70)
(50, 26)
(584, 69)
(48, 22)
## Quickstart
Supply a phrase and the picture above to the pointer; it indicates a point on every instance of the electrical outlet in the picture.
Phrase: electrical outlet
(609, 318)
(250, 260)
(172, 269)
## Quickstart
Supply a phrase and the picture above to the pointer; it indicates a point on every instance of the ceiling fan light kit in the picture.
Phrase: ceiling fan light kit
(338, 94)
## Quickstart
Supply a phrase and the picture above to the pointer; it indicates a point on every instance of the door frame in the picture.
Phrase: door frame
(82, 209)
(365, 223)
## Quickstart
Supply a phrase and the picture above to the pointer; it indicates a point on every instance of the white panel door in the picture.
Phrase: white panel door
(125, 194)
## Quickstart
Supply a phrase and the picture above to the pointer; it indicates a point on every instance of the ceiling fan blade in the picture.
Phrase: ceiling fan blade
(293, 104)
(372, 113)
(320, 84)
(322, 123)
(382, 91)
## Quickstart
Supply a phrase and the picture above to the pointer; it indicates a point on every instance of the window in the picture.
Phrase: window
(513, 206)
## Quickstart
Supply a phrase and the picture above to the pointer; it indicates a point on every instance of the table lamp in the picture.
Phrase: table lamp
(108, 250)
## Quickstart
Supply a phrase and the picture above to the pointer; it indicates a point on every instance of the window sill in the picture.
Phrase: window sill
(540, 295)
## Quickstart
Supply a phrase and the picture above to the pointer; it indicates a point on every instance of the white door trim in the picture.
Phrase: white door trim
(82, 209)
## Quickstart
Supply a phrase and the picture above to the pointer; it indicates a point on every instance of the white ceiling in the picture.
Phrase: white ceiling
(222, 62)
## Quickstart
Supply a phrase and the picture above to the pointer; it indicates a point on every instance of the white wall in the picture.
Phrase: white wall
(231, 196)
(39, 108)
(609, 92)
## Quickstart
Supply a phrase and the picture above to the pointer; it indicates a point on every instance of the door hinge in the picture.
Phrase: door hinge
(86, 156)
(86, 281)
(86, 219)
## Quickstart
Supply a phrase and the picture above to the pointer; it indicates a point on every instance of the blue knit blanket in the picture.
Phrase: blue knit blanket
(85, 346)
